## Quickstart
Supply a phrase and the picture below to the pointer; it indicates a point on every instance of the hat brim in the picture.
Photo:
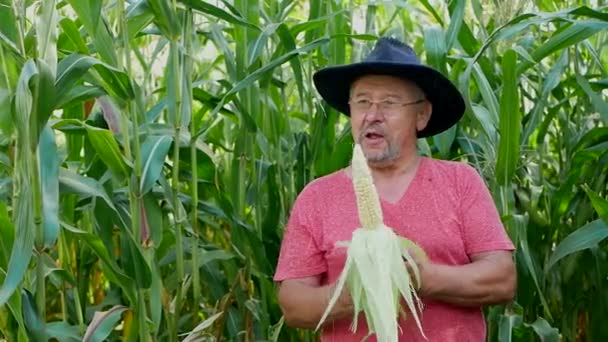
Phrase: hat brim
(333, 84)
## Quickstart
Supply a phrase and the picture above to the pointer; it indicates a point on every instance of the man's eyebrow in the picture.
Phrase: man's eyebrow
(359, 93)
(393, 95)
(364, 93)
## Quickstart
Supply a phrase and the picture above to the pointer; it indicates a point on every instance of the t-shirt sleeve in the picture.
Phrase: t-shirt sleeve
(482, 228)
(300, 255)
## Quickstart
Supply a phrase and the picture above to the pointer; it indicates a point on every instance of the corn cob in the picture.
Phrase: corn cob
(368, 202)
(376, 275)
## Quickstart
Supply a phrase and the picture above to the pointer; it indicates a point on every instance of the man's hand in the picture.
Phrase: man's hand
(420, 263)
(345, 301)
(304, 301)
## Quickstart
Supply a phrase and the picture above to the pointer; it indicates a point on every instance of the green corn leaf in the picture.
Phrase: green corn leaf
(228, 54)
(89, 13)
(173, 85)
(43, 101)
(133, 260)
(519, 24)
(30, 112)
(111, 270)
(342, 152)
(108, 150)
(436, 49)
(186, 70)
(103, 323)
(526, 257)
(6, 123)
(58, 273)
(139, 16)
(33, 323)
(156, 305)
(23, 244)
(585, 237)
(158, 108)
(94, 11)
(206, 99)
(165, 18)
(153, 153)
(444, 141)
(456, 22)
(49, 178)
(209, 9)
(79, 94)
(544, 330)
(8, 25)
(510, 122)
(507, 323)
(600, 204)
(7, 236)
(71, 182)
(585, 11)
(312, 24)
(63, 332)
(432, 10)
(598, 102)
(574, 34)
(593, 137)
(271, 219)
(70, 30)
(288, 43)
(260, 43)
(259, 73)
(111, 114)
(46, 31)
(69, 126)
(24, 99)
(550, 82)
(196, 333)
(487, 93)
(484, 118)
(9, 43)
(253, 8)
(72, 69)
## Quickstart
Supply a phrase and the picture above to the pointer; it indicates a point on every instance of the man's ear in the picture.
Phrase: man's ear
(424, 115)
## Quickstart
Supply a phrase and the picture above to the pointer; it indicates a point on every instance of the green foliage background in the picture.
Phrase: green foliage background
(150, 151)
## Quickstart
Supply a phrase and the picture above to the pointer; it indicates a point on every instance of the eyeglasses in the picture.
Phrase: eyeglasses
(361, 105)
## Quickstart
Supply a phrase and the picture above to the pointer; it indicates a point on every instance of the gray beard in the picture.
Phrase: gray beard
(390, 153)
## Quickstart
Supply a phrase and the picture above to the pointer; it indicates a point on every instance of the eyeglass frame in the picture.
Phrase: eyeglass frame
(382, 108)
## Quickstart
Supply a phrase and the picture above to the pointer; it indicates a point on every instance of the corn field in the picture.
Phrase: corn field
(150, 152)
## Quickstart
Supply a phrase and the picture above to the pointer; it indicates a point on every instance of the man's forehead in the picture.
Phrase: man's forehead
(389, 85)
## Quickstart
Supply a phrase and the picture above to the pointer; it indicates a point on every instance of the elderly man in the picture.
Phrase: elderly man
(443, 206)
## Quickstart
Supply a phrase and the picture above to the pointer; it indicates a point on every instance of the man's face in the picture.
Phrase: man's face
(385, 114)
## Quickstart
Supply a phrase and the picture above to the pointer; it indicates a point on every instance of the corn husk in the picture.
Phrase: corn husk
(375, 271)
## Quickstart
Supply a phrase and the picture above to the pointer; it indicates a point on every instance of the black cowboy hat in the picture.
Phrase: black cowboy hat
(392, 57)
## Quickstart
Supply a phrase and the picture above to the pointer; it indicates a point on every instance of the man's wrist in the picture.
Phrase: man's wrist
(427, 272)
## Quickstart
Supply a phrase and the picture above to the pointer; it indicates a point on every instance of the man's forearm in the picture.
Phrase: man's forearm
(483, 282)
(303, 305)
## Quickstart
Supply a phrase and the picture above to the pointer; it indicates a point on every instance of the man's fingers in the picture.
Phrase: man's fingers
(416, 279)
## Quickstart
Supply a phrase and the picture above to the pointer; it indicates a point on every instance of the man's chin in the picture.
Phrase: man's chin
(378, 158)
(374, 152)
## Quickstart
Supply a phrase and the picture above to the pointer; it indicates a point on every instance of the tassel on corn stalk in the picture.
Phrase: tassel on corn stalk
(375, 271)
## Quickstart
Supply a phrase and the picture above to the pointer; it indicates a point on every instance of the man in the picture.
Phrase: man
(443, 206)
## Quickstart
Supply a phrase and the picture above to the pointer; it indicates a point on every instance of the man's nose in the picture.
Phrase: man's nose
(374, 113)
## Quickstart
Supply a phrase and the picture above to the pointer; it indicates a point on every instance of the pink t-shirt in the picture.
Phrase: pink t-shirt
(447, 210)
